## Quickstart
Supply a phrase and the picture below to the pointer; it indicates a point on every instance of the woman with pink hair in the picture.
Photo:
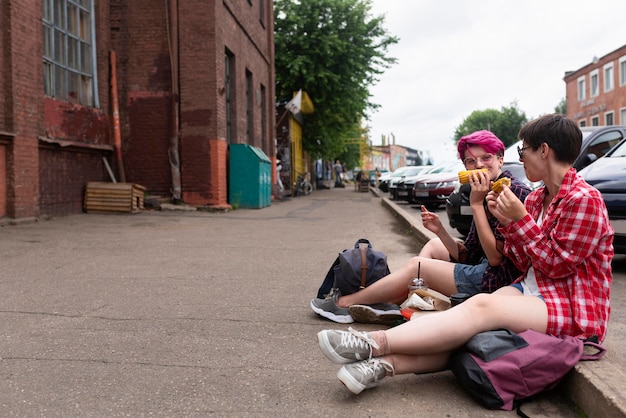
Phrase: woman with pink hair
(447, 265)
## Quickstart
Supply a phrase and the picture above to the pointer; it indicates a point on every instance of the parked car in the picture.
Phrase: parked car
(386, 179)
(383, 181)
(597, 141)
(406, 175)
(433, 189)
(608, 175)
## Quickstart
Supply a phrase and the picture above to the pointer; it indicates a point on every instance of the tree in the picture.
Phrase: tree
(505, 123)
(334, 50)
(561, 107)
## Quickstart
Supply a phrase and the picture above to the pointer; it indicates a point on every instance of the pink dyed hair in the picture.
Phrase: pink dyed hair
(485, 139)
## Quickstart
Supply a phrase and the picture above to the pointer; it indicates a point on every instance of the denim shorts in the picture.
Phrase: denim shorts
(468, 278)
(519, 287)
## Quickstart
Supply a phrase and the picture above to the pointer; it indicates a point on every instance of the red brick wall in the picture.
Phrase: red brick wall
(598, 106)
(203, 99)
(35, 173)
(65, 174)
(23, 112)
(3, 183)
(144, 84)
(48, 141)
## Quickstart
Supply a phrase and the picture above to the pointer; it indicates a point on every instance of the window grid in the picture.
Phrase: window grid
(581, 88)
(608, 119)
(594, 84)
(622, 71)
(68, 50)
(608, 77)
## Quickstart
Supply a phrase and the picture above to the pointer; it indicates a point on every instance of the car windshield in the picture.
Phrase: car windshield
(620, 150)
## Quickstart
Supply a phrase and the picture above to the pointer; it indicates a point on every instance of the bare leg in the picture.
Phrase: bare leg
(448, 330)
(439, 276)
(435, 249)
(430, 363)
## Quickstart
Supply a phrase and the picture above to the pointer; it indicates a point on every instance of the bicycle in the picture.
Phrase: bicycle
(303, 186)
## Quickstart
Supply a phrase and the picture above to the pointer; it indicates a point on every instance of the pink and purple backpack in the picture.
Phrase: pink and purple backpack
(501, 368)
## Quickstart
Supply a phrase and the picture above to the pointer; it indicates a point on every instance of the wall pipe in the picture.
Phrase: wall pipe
(117, 144)
(171, 13)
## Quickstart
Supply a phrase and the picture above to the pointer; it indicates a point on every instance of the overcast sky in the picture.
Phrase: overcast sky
(457, 56)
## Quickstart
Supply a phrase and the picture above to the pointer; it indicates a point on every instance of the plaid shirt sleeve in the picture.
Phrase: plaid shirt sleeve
(571, 254)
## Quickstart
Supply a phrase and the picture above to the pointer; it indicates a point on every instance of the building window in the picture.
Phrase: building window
(595, 121)
(262, 12)
(622, 71)
(582, 123)
(594, 84)
(608, 77)
(582, 86)
(69, 51)
(622, 116)
(608, 119)
(229, 89)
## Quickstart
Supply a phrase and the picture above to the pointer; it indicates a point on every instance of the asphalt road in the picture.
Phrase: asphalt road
(198, 314)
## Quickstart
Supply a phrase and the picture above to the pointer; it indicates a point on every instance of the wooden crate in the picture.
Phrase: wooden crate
(101, 197)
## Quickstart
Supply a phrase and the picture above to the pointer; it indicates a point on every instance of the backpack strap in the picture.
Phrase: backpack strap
(363, 266)
(595, 356)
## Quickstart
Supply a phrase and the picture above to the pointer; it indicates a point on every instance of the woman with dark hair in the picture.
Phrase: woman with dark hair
(561, 240)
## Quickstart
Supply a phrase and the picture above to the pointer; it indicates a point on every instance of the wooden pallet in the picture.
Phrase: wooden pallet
(101, 197)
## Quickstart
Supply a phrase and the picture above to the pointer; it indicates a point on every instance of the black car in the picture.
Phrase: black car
(608, 175)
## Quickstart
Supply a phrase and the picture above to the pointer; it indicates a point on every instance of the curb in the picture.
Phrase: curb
(590, 385)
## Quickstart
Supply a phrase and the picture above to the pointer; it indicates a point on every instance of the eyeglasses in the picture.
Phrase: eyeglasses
(520, 151)
(485, 159)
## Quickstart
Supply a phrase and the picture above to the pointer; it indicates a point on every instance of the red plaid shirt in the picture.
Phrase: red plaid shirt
(571, 253)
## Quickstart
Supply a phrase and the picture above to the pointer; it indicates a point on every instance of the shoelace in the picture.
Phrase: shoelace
(358, 340)
(372, 366)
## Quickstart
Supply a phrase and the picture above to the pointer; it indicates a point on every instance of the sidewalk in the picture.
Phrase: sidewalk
(596, 387)
(207, 314)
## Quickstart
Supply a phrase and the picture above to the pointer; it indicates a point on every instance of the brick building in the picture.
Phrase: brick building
(596, 93)
(192, 77)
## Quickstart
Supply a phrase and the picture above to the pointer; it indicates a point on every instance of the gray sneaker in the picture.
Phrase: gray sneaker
(346, 346)
(382, 313)
(328, 308)
(364, 375)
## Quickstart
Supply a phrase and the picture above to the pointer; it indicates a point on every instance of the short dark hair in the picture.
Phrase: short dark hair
(558, 131)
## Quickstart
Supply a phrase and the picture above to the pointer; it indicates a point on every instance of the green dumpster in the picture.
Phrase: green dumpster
(250, 177)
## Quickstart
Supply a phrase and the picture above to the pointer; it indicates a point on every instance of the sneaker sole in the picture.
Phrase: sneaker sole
(350, 382)
(341, 319)
(366, 315)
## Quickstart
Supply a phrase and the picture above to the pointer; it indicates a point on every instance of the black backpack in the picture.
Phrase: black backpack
(355, 269)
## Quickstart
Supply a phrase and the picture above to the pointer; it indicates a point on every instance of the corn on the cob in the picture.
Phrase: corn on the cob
(498, 186)
(465, 175)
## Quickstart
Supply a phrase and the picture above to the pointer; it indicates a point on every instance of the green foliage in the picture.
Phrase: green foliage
(505, 123)
(561, 107)
(334, 50)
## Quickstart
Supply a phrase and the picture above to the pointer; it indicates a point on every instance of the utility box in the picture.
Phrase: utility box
(250, 175)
